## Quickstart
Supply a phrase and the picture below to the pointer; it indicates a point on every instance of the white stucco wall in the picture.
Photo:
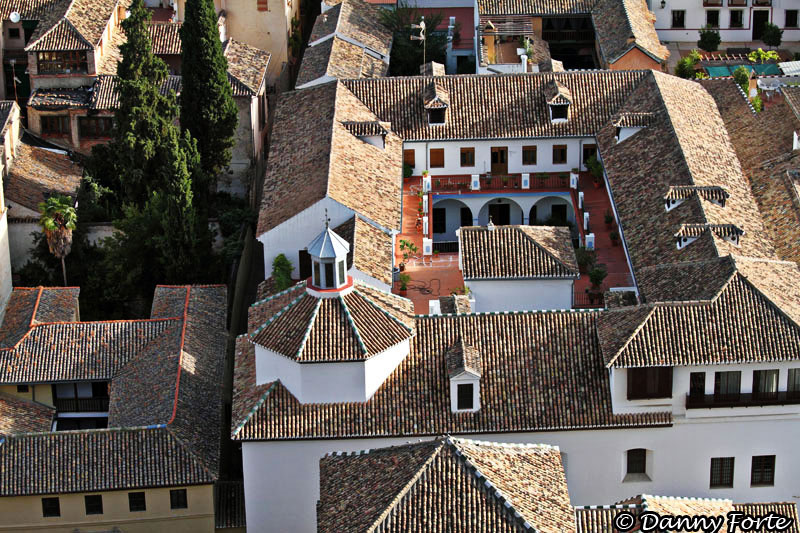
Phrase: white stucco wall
(452, 155)
(5, 260)
(695, 19)
(521, 295)
(337, 382)
(680, 388)
(282, 478)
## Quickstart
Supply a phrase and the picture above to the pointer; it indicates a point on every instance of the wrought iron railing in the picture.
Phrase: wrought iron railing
(445, 247)
(81, 405)
(494, 182)
(588, 300)
(710, 401)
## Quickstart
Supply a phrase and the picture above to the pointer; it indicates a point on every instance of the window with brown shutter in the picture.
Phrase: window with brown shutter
(468, 157)
(528, 155)
(409, 157)
(559, 154)
(437, 157)
(262, 5)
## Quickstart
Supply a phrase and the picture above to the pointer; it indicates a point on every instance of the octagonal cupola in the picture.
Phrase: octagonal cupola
(328, 253)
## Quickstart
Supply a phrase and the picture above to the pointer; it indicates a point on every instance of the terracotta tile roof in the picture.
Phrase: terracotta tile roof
(229, 510)
(792, 96)
(534, 7)
(599, 519)
(370, 247)
(165, 38)
(688, 147)
(712, 193)
(463, 357)
(621, 25)
(632, 120)
(454, 304)
(788, 509)
(97, 460)
(353, 327)
(354, 20)
(6, 108)
(763, 144)
(340, 59)
(743, 323)
(516, 103)
(165, 406)
(36, 173)
(29, 306)
(30, 9)
(549, 376)
(60, 98)
(517, 252)
(675, 282)
(105, 94)
(18, 415)
(362, 177)
(495, 487)
(74, 25)
(556, 93)
(434, 96)
(247, 67)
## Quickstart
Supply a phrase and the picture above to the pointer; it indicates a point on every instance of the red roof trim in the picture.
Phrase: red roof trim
(180, 354)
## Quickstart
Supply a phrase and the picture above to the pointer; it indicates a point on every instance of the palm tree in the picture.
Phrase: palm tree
(57, 221)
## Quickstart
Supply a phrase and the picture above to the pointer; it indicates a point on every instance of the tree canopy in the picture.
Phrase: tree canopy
(407, 55)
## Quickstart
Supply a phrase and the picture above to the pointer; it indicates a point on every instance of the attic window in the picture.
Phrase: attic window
(464, 369)
(684, 241)
(436, 116)
(465, 396)
(559, 112)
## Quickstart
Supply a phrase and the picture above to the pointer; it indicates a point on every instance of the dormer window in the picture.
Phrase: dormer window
(464, 369)
(559, 112)
(436, 116)
(676, 195)
(373, 133)
(559, 98)
(436, 100)
(629, 124)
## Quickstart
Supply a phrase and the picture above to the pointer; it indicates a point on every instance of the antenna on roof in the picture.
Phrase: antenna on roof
(421, 36)
(327, 220)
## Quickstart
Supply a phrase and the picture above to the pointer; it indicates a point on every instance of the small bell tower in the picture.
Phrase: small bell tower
(328, 253)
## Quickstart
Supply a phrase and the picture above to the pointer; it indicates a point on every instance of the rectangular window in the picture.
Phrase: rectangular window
(468, 157)
(136, 502)
(62, 62)
(559, 112)
(13, 33)
(559, 154)
(437, 157)
(765, 383)
(55, 124)
(712, 18)
(439, 220)
(648, 383)
(95, 127)
(341, 272)
(316, 274)
(721, 473)
(466, 216)
(791, 18)
(177, 499)
(589, 151)
(678, 18)
(528, 155)
(737, 18)
(51, 507)
(22, 389)
(793, 384)
(727, 383)
(762, 471)
(436, 116)
(94, 504)
(697, 384)
(637, 461)
(465, 396)
(328, 275)
(409, 157)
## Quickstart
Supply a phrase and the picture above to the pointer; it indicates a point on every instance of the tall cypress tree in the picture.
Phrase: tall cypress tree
(208, 111)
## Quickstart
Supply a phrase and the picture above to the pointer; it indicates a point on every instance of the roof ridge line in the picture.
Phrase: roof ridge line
(180, 353)
(545, 250)
(765, 296)
(275, 316)
(408, 486)
(188, 449)
(311, 321)
(353, 325)
(279, 293)
(256, 406)
(384, 311)
(485, 484)
(633, 334)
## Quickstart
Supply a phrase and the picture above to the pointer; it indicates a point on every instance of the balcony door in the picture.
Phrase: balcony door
(499, 160)
(760, 18)
(500, 214)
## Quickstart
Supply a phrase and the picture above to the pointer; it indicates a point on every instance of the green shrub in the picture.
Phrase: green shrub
(742, 77)
(709, 39)
(282, 272)
(685, 68)
(597, 275)
(408, 170)
(595, 166)
(758, 105)
(772, 35)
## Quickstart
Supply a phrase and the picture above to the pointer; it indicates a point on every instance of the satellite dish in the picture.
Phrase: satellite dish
(14, 17)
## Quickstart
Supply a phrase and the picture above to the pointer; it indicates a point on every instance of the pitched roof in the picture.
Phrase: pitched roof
(165, 405)
(6, 112)
(371, 249)
(362, 177)
(742, 323)
(74, 25)
(338, 58)
(455, 303)
(463, 357)
(18, 415)
(497, 487)
(355, 21)
(502, 106)
(788, 509)
(165, 38)
(517, 252)
(353, 327)
(229, 509)
(534, 7)
(54, 99)
(247, 67)
(621, 25)
(29, 9)
(550, 375)
(37, 173)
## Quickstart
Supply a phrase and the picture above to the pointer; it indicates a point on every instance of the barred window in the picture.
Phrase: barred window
(721, 472)
(95, 127)
(762, 471)
(62, 62)
(55, 125)
(637, 461)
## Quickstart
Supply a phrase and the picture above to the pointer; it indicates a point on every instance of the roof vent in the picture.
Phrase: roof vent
(464, 369)
(559, 98)
(436, 100)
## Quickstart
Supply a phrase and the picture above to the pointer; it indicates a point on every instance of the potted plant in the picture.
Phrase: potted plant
(408, 170)
(585, 258)
(408, 248)
(614, 238)
(403, 279)
(425, 173)
(609, 218)
(596, 169)
(596, 275)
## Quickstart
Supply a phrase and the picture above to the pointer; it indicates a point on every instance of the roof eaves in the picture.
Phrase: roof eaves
(632, 335)
(550, 254)
(253, 410)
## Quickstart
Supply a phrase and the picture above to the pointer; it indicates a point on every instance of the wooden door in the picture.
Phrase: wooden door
(499, 160)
